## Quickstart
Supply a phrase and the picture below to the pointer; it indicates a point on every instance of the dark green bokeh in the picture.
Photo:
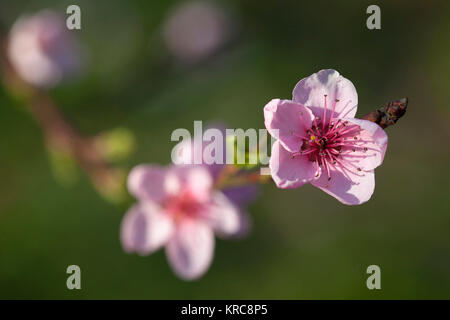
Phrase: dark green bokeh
(304, 244)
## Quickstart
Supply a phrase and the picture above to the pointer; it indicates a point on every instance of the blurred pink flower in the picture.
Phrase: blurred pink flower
(194, 30)
(320, 141)
(179, 209)
(42, 50)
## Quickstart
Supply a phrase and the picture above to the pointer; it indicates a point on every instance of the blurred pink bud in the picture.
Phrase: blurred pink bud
(195, 30)
(42, 50)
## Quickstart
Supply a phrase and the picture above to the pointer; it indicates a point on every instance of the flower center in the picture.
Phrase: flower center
(183, 205)
(330, 142)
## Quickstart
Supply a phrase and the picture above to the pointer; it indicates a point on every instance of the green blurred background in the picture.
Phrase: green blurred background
(304, 243)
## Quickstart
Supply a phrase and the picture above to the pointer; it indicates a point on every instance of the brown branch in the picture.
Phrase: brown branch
(59, 133)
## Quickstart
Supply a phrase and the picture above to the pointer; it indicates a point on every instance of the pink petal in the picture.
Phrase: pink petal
(191, 250)
(310, 92)
(348, 188)
(145, 229)
(245, 225)
(374, 139)
(290, 172)
(223, 216)
(282, 120)
(147, 182)
(195, 179)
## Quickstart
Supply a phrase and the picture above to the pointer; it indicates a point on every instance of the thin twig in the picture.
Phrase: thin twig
(59, 133)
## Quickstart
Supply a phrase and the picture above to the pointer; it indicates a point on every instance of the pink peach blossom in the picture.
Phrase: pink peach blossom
(321, 142)
(178, 209)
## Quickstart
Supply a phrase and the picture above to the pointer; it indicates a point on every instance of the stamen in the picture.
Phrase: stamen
(348, 130)
(334, 108)
(303, 120)
(316, 127)
(345, 115)
(342, 171)
(347, 143)
(335, 127)
(343, 166)
(300, 136)
(324, 112)
(306, 126)
(351, 155)
(304, 153)
(365, 141)
(326, 167)
(352, 146)
(317, 167)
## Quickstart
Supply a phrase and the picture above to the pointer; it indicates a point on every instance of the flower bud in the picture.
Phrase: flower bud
(42, 50)
(195, 30)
